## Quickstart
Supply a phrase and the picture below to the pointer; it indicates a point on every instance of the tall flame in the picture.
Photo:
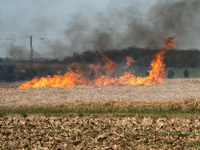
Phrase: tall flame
(103, 73)
(129, 61)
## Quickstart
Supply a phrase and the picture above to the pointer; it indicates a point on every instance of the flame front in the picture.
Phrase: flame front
(103, 73)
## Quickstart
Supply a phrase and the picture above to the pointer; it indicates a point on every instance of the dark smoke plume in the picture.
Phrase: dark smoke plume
(180, 19)
(118, 29)
(20, 53)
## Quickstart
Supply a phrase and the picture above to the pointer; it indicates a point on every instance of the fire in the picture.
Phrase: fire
(103, 73)
(170, 43)
(129, 61)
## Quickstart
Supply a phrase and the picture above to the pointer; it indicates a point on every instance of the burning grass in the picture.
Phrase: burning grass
(104, 73)
(101, 74)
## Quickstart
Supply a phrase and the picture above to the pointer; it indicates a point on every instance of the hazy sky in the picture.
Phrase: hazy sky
(32, 16)
(49, 19)
(63, 25)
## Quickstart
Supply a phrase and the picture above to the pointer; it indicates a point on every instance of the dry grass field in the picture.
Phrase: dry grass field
(171, 90)
(110, 121)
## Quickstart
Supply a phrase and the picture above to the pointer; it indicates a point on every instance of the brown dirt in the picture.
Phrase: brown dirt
(172, 89)
(103, 132)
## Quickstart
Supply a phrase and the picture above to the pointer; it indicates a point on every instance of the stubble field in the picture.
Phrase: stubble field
(171, 90)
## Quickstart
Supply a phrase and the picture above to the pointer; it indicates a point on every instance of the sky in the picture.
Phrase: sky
(62, 27)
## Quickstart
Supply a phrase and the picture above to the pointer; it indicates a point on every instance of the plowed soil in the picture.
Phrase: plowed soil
(171, 90)
(104, 132)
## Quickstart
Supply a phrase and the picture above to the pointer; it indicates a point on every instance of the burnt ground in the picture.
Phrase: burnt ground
(171, 90)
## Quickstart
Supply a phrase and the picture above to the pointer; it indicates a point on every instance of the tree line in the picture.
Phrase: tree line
(143, 57)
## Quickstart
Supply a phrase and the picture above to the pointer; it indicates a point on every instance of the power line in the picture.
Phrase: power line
(26, 37)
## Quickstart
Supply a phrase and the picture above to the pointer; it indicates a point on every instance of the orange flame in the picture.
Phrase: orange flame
(102, 73)
(129, 61)
(170, 43)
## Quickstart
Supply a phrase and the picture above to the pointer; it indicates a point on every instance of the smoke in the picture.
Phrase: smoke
(180, 19)
(20, 53)
(104, 32)
(117, 29)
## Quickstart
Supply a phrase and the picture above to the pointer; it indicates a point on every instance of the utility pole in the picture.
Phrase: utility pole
(31, 56)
